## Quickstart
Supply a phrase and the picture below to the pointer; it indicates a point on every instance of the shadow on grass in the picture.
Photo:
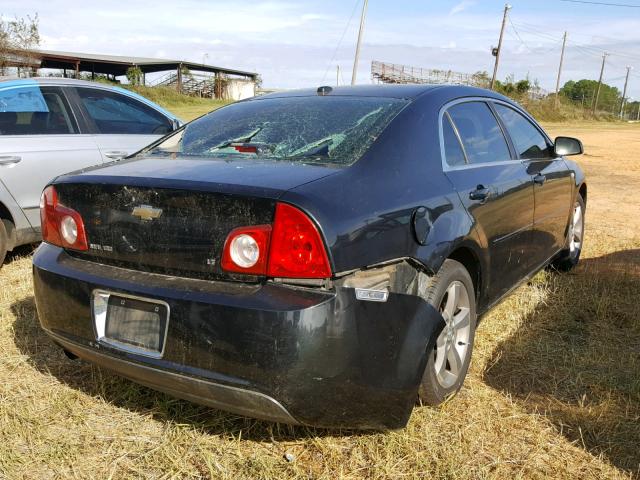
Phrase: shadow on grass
(48, 358)
(576, 358)
(20, 252)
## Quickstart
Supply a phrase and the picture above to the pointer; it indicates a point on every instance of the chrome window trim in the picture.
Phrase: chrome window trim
(458, 137)
(99, 323)
(443, 159)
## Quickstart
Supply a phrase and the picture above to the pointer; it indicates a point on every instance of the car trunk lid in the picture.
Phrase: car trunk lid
(174, 220)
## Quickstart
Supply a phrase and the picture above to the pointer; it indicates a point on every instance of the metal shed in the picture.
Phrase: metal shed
(116, 65)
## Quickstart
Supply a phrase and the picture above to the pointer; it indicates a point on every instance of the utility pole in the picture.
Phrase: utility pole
(564, 43)
(507, 7)
(624, 91)
(360, 33)
(595, 102)
(638, 115)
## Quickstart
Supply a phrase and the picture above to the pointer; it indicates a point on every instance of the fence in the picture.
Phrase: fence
(393, 73)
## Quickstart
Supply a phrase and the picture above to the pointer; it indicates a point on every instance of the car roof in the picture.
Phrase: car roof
(411, 91)
(49, 81)
(60, 81)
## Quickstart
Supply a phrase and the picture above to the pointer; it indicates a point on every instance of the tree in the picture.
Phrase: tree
(523, 86)
(19, 37)
(481, 79)
(134, 75)
(631, 110)
(584, 92)
(511, 88)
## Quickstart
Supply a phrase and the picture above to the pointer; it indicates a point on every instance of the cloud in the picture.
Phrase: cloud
(292, 42)
(461, 6)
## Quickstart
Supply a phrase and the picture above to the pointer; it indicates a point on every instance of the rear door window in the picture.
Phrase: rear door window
(529, 142)
(35, 110)
(115, 113)
(480, 133)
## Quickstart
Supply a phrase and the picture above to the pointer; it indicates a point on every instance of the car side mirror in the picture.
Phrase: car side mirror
(176, 124)
(564, 146)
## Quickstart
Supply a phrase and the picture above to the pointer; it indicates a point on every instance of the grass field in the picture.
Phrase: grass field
(553, 392)
(185, 107)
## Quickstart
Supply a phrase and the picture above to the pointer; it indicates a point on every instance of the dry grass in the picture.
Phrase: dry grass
(554, 389)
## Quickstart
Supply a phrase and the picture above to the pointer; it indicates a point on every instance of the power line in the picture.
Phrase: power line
(629, 5)
(586, 52)
(535, 31)
(539, 49)
(597, 51)
(515, 30)
(344, 32)
(583, 48)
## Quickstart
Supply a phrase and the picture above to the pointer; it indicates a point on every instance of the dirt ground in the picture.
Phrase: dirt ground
(553, 392)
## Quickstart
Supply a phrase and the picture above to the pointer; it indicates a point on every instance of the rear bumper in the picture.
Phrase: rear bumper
(224, 397)
(269, 351)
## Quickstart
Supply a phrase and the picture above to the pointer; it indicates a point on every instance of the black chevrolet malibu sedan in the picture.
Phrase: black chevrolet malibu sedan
(315, 257)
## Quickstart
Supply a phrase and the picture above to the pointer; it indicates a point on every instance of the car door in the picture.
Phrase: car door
(495, 188)
(122, 124)
(552, 180)
(40, 139)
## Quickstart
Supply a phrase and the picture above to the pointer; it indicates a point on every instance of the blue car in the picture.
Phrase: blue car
(314, 257)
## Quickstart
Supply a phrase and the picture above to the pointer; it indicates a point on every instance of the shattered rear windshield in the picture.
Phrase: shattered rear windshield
(322, 129)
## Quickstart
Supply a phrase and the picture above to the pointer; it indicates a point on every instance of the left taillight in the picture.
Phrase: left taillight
(61, 225)
(246, 250)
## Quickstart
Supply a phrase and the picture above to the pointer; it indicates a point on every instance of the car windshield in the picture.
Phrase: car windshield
(323, 129)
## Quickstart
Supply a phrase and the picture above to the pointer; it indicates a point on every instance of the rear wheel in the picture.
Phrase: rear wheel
(452, 294)
(570, 256)
(4, 240)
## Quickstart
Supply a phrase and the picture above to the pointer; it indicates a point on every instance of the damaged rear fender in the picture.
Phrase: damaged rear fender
(406, 325)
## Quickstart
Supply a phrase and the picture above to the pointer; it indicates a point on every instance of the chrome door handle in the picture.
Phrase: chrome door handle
(115, 155)
(481, 193)
(10, 160)
(539, 179)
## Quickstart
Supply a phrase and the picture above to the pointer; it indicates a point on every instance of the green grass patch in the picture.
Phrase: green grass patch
(185, 107)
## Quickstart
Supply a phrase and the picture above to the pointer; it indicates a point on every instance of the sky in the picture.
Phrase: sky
(300, 43)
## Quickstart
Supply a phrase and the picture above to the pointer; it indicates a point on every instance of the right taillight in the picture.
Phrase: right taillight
(61, 226)
(290, 248)
(296, 250)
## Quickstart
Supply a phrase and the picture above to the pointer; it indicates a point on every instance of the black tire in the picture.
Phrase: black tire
(568, 258)
(4, 241)
(434, 390)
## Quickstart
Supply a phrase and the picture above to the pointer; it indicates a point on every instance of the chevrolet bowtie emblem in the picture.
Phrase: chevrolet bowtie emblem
(146, 212)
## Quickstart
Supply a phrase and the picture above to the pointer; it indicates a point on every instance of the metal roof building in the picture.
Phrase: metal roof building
(117, 65)
(191, 78)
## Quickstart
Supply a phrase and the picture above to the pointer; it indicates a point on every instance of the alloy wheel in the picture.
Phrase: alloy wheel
(452, 345)
(576, 231)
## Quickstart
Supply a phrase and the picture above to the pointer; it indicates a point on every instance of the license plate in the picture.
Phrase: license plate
(130, 323)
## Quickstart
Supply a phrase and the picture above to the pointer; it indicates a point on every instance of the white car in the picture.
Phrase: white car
(51, 126)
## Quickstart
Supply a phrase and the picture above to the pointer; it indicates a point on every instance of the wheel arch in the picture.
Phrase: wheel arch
(471, 261)
(9, 225)
(582, 190)
(5, 214)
